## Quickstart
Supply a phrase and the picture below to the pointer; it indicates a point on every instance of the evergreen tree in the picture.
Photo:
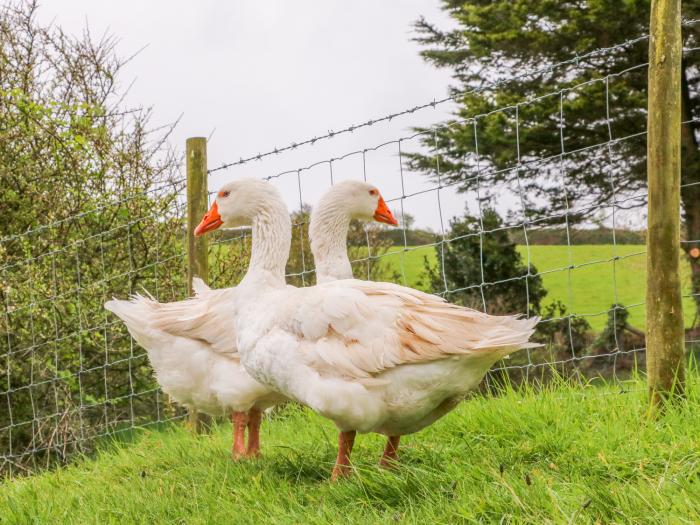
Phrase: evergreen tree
(488, 264)
(504, 39)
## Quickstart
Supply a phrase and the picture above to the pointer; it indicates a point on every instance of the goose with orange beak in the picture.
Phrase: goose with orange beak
(192, 344)
(370, 356)
(210, 222)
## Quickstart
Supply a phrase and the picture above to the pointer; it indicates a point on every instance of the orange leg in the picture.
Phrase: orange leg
(254, 420)
(342, 464)
(240, 421)
(390, 455)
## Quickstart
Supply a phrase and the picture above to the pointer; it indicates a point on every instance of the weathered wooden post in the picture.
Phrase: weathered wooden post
(664, 333)
(197, 247)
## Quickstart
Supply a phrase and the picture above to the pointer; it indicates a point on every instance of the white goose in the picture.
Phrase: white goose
(328, 232)
(197, 363)
(372, 357)
(192, 344)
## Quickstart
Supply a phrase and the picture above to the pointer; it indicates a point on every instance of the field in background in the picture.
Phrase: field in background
(563, 455)
(593, 284)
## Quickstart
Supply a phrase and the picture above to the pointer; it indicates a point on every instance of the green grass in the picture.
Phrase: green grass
(593, 283)
(565, 455)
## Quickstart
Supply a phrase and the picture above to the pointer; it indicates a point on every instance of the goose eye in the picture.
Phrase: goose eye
(373, 193)
(224, 193)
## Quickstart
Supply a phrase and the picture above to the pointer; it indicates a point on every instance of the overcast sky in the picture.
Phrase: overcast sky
(259, 74)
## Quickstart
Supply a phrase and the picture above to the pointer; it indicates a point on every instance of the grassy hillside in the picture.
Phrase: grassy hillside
(593, 283)
(567, 455)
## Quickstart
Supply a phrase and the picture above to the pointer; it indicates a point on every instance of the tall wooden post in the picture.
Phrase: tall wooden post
(664, 333)
(197, 247)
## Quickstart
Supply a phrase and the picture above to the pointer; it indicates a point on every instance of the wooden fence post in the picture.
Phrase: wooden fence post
(664, 334)
(197, 247)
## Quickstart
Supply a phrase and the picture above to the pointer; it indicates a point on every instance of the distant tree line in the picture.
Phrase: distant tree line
(535, 236)
(597, 235)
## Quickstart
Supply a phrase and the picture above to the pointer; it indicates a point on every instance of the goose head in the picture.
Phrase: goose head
(358, 200)
(238, 203)
(330, 220)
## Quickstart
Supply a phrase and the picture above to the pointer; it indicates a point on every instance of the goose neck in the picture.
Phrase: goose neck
(328, 231)
(272, 237)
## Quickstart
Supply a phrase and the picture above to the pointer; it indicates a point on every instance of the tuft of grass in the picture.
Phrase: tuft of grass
(563, 454)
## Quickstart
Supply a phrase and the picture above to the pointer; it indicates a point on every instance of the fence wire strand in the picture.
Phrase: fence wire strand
(72, 374)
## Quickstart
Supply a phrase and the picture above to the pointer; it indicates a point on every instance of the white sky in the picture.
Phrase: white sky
(256, 75)
(260, 74)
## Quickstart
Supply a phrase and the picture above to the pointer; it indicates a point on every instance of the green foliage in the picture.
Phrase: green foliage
(564, 335)
(618, 333)
(505, 40)
(413, 236)
(561, 454)
(485, 270)
(89, 212)
(229, 253)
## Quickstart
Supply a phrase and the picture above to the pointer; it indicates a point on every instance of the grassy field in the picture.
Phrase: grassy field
(565, 455)
(593, 283)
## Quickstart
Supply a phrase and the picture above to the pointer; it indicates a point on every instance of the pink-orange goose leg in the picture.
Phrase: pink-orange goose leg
(254, 420)
(240, 421)
(342, 463)
(390, 455)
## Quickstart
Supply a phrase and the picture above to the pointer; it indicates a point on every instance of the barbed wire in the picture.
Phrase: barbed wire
(432, 104)
(576, 60)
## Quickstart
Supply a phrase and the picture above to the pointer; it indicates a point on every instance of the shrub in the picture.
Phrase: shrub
(89, 212)
(507, 285)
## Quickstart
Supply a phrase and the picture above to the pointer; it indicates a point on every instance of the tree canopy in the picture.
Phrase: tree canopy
(568, 139)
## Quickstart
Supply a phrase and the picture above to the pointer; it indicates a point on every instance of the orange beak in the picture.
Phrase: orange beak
(210, 222)
(383, 213)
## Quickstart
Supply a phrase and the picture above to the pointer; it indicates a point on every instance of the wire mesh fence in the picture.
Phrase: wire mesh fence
(73, 374)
